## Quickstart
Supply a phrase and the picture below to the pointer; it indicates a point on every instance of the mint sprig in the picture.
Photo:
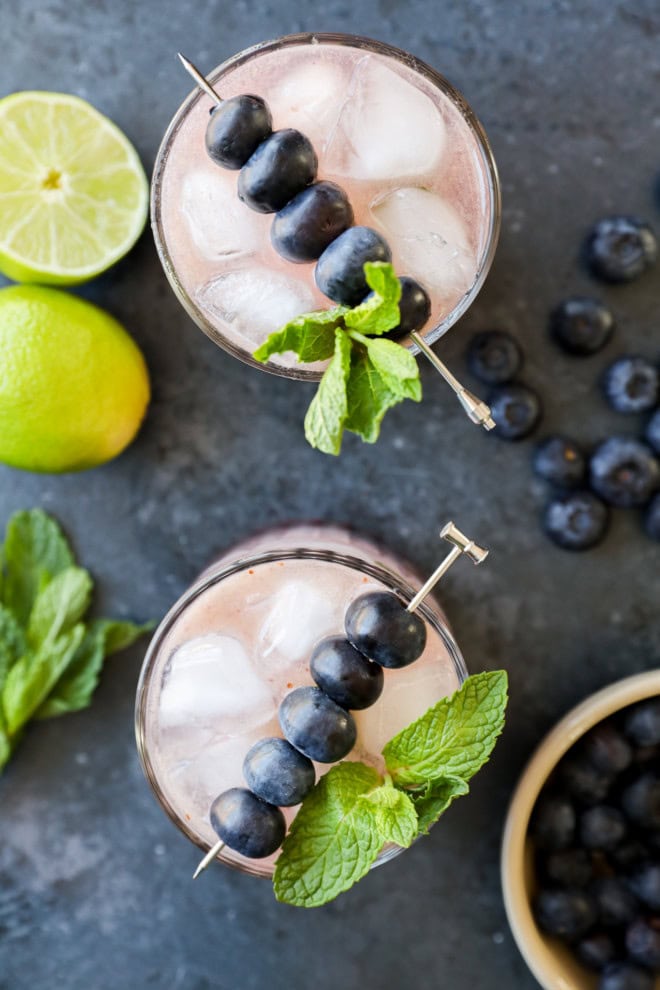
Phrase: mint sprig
(50, 657)
(353, 811)
(366, 376)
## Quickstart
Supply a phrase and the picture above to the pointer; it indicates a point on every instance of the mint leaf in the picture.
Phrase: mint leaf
(120, 634)
(12, 644)
(455, 737)
(311, 336)
(380, 311)
(30, 680)
(370, 395)
(393, 813)
(324, 422)
(397, 367)
(435, 798)
(60, 605)
(35, 550)
(332, 841)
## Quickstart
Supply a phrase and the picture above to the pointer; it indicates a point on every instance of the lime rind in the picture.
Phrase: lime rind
(73, 193)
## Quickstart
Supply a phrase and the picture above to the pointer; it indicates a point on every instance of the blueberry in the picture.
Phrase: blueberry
(629, 854)
(641, 723)
(624, 472)
(597, 950)
(414, 308)
(236, 128)
(553, 822)
(516, 410)
(576, 521)
(340, 269)
(304, 228)
(569, 868)
(568, 914)
(345, 675)
(617, 905)
(632, 385)
(602, 827)
(247, 824)
(278, 773)
(652, 518)
(280, 168)
(560, 461)
(643, 942)
(652, 432)
(494, 357)
(641, 801)
(644, 881)
(584, 782)
(607, 749)
(581, 325)
(380, 627)
(626, 976)
(620, 249)
(316, 725)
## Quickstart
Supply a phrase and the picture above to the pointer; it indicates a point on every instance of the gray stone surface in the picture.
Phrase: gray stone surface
(95, 889)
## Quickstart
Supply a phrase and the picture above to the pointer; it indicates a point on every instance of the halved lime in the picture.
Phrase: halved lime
(73, 193)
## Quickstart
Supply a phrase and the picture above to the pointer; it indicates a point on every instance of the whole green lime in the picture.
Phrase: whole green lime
(74, 385)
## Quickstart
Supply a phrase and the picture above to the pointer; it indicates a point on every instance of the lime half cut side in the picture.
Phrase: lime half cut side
(73, 193)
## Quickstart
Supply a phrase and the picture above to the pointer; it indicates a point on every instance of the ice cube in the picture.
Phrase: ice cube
(220, 225)
(309, 98)
(255, 301)
(209, 771)
(386, 129)
(210, 685)
(299, 616)
(428, 239)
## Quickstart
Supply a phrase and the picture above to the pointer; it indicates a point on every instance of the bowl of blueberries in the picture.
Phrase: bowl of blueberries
(581, 848)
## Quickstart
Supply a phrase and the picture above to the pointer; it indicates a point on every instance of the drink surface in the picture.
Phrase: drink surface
(399, 146)
(233, 654)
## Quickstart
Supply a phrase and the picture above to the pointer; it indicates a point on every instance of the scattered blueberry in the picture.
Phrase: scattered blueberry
(652, 518)
(303, 229)
(624, 472)
(602, 827)
(494, 357)
(607, 749)
(278, 170)
(346, 675)
(247, 824)
(632, 385)
(380, 627)
(644, 881)
(567, 914)
(569, 868)
(414, 308)
(641, 801)
(340, 269)
(617, 905)
(236, 128)
(652, 432)
(620, 249)
(585, 783)
(516, 410)
(630, 853)
(316, 725)
(581, 325)
(643, 942)
(596, 950)
(560, 461)
(278, 773)
(553, 822)
(642, 723)
(626, 976)
(576, 521)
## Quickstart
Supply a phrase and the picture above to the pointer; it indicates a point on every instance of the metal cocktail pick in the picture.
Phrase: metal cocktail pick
(201, 80)
(461, 544)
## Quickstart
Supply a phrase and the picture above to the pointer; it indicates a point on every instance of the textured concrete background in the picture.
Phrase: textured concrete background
(95, 890)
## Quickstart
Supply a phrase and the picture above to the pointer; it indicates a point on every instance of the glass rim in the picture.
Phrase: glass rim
(393, 581)
(379, 48)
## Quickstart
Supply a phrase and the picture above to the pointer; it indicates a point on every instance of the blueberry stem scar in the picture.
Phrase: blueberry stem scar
(476, 409)
(211, 855)
(201, 80)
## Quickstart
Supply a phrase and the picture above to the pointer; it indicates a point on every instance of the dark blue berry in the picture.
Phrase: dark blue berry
(597, 950)
(581, 325)
(345, 675)
(568, 914)
(641, 723)
(494, 357)
(602, 827)
(643, 942)
(641, 801)
(652, 432)
(280, 168)
(617, 905)
(584, 782)
(632, 385)
(247, 824)
(620, 249)
(624, 472)
(553, 822)
(644, 881)
(414, 308)
(626, 976)
(629, 854)
(316, 725)
(560, 461)
(302, 230)
(380, 627)
(340, 269)
(569, 868)
(576, 521)
(278, 773)
(652, 518)
(236, 128)
(516, 410)
(607, 749)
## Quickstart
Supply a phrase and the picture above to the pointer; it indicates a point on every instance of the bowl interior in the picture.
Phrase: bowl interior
(550, 961)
